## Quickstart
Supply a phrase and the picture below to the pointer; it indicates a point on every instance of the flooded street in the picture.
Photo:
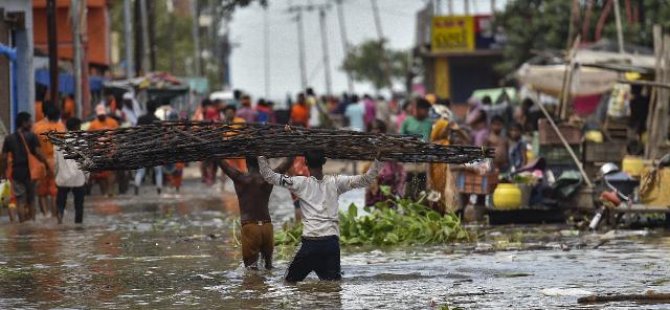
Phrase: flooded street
(178, 251)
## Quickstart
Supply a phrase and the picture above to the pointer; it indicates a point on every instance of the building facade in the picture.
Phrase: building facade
(17, 80)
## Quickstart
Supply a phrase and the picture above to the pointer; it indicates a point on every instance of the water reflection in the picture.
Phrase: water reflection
(177, 251)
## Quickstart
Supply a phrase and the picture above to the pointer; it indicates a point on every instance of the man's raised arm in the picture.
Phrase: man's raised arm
(231, 172)
(273, 177)
(285, 166)
(347, 183)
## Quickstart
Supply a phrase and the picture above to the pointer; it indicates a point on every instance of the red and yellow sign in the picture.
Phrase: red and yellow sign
(453, 34)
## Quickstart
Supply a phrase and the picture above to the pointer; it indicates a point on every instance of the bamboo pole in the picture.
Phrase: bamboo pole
(619, 28)
(663, 98)
(565, 144)
(567, 80)
(651, 118)
(659, 120)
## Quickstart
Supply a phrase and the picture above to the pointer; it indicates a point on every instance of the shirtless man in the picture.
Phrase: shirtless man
(253, 194)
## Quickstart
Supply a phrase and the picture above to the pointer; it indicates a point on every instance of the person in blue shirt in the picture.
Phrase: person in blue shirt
(355, 113)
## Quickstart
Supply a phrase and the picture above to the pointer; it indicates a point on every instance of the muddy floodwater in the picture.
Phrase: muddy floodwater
(178, 251)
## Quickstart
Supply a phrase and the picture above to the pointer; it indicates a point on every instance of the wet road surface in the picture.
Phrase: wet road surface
(178, 251)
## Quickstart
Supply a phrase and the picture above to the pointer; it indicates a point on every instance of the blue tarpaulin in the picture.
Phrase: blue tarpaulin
(10, 53)
(66, 81)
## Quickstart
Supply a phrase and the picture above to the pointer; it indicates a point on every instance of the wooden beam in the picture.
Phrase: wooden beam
(652, 117)
(646, 83)
(567, 146)
(641, 208)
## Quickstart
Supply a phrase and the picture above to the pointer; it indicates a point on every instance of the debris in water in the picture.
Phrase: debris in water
(648, 297)
(565, 292)
(513, 274)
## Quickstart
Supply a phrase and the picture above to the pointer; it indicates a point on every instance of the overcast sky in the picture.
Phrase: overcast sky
(398, 26)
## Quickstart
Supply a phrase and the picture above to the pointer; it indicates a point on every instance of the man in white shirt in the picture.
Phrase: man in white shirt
(318, 194)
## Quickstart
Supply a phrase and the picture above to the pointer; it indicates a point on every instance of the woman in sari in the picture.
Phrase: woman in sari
(391, 174)
(441, 178)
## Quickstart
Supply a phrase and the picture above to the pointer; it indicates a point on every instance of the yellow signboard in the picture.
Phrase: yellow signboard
(453, 34)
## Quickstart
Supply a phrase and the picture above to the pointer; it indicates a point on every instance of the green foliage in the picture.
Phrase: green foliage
(532, 25)
(372, 62)
(397, 221)
(544, 24)
(289, 235)
(175, 39)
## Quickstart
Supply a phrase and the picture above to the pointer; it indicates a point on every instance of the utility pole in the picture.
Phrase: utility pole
(466, 7)
(493, 7)
(128, 33)
(619, 30)
(450, 7)
(146, 53)
(196, 38)
(266, 52)
(226, 49)
(171, 30)
(301, 42)
(76, 16)
(324, 46)
(345, 41)
(380, 34)
(378, 23)
(151, 20)
(52, 45)
(85, 87)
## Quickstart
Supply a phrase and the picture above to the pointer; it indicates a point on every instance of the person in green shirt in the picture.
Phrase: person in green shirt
(418, 124)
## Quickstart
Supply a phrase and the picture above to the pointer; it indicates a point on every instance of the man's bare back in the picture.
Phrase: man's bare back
(253, 193)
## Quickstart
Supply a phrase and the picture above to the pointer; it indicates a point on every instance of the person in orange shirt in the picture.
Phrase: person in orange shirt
(229, 113)
(102, 122)
(39, 111)
(69, 107)
(210, 166)
(46, 187)
(300, 112)
(111, 103)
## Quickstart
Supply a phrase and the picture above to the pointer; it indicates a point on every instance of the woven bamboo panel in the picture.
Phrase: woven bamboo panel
(169, 142)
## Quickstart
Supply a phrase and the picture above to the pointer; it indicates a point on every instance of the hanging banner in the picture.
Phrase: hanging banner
(453, 34)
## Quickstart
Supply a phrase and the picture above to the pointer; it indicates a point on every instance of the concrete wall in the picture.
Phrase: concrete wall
(24, 47)
(5, 96)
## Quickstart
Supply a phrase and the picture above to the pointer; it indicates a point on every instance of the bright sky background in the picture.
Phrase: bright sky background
(398, 25)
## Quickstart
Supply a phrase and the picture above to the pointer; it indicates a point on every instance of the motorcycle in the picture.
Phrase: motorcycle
(614, 188)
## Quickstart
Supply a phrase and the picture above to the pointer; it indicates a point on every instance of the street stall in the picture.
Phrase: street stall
(158, 86)
(622, 136)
